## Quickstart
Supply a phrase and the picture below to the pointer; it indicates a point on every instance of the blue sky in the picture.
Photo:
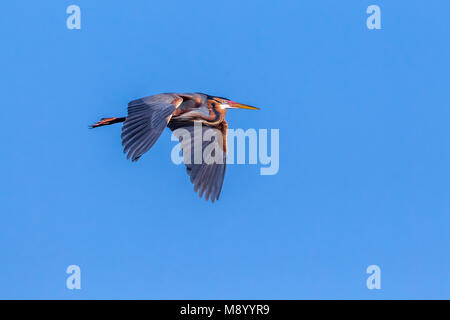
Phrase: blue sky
(364, 151)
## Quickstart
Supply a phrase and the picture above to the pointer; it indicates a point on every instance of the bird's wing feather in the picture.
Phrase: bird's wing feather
(146, 120)
(207, 176)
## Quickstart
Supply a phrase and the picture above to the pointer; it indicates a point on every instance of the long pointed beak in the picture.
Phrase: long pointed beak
(241, 106)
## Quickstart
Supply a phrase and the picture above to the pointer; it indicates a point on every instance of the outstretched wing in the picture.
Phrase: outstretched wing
(146, 120)
(206, 167)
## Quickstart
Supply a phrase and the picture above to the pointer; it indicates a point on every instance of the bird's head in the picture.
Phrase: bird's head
(224, 103)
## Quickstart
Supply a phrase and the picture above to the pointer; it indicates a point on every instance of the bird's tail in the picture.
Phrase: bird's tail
(107, 122)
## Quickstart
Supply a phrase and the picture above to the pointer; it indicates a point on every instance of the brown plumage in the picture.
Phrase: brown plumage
(147, 118)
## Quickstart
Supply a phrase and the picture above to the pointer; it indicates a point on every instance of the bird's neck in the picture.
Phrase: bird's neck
(218, 115)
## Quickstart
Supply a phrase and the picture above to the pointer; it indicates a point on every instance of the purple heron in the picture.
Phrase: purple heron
(147, 118)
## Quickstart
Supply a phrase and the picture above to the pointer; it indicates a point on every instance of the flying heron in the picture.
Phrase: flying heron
(147, 118)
